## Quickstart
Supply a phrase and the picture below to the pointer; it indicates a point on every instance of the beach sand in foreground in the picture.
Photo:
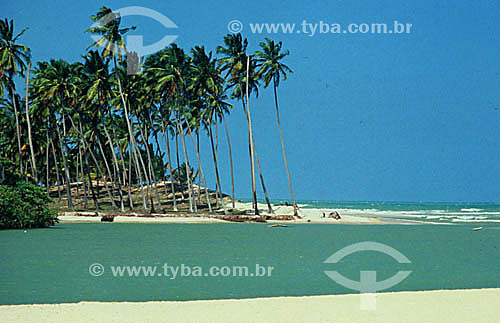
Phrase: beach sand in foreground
(474, 305)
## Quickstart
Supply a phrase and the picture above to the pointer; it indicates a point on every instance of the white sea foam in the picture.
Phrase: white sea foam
(441, 215)
(476, 213)
(475, 220)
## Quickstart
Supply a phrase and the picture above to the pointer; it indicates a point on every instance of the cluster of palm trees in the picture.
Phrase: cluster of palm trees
(91, 121)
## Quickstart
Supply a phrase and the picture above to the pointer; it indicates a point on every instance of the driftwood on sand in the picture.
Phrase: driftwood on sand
(109, 217)
(333, 215)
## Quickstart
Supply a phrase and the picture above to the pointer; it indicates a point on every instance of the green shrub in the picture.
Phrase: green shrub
(25, 205)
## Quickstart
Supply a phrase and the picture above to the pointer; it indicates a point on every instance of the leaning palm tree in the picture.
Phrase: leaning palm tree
(272, 70)
(234, 63)
(171, 72)
(28, 122)
(155, 71)
(57, 85)
(97, 93)
(13, 59)
(112, 43)
(44, 111)
(8, 142)
(208, 96)
(243, 79)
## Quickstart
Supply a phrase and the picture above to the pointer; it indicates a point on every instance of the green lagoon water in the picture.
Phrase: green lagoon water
(52, 265)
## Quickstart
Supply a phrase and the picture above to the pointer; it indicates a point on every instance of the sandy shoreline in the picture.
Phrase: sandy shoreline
(473, 305)
(308, 216)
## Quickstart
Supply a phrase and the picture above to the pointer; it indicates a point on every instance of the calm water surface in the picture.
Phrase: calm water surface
(52, 265)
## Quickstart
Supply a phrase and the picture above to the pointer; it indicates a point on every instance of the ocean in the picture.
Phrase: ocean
(438, 212)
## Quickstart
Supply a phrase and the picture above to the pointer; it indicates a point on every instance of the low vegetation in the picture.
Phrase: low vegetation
(25, 205)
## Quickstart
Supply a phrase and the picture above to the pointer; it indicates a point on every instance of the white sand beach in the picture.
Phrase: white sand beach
(474, 305)
(309, 215)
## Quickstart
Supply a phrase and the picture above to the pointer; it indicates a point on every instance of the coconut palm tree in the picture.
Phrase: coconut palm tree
(208, 94)
(271, 69)
(242, 78)
(28, 122)
(112, 43)
(172, 72)
(234, 62)
(132, 102)
(8, 142)
(43, 112)
(97, 94)
(13, 60)
(143, 109)
(57, 84)
(161, 115)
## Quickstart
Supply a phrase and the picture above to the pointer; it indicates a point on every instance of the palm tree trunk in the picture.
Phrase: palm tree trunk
(150, 167)
(295, 213)
(18, 130)
(33, 163)
(94, 197)
(178, 163)
(131, 202)
(160, 154)
(116, 167)
(199, 178)
(99, 170)
(140, 162)
(124, 170)
(172, 185)
(57, 171)
(129, 126)
(230, 160)
(88, 147)
(138, 175)
(201, 172)
(250, 144)
(138, 170)
(85, 191)
(106, 164)
(66, 169)
(217, 196)
(217, 179)
(147, 172)
(188, 172)
(269, 208)
(47, 166)
(76, 175)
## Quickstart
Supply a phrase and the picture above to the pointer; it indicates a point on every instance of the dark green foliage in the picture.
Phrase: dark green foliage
(9, 172)
(25, 205)
(180, 174)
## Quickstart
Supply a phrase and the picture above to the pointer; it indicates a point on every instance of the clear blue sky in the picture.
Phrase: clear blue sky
(410, 117)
